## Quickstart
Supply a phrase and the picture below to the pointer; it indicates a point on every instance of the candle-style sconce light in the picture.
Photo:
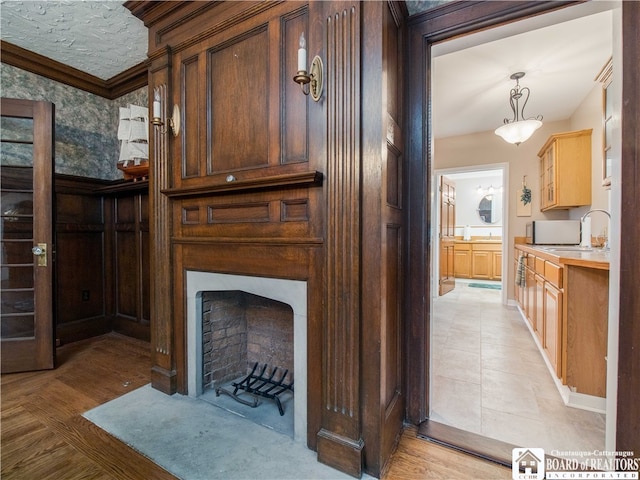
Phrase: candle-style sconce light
(311, 82)
(173, 121)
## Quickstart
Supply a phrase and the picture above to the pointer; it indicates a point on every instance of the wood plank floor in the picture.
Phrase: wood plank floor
(44, 436)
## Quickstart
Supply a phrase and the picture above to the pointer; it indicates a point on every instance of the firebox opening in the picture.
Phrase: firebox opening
(248, 357)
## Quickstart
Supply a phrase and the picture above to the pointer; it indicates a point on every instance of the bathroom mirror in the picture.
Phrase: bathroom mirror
(489, 210)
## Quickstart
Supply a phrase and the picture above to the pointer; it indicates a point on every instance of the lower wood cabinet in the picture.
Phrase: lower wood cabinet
(462, 261)
(566, 306)
(541, 301)
(552, 315)
(478, 260)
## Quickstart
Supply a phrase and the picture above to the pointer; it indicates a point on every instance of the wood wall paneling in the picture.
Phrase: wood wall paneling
(190, 90)
(131, 265)
(383, 231)
(295, 107)
(267, 215)
(81, 288)
(238, 78)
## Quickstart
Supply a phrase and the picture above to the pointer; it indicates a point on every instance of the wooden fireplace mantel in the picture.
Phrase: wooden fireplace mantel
(263, 181)
(234, 185)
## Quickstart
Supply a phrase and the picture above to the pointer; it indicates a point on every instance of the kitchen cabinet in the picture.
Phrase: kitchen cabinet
(538, 321)
(565, 170)
(542, 305)
(565, 301)
(497, 265)
(552, 315)
(478, 260)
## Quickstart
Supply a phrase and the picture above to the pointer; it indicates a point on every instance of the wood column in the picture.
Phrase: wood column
(163, 370)
(339, 441)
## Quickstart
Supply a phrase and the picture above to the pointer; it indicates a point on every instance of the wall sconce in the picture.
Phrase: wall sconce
(173, 121)
(312, 82)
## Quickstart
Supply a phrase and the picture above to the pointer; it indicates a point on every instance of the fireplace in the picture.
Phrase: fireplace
(290, 292)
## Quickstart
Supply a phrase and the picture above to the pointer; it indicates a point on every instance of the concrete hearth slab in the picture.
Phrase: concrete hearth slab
(196, 440)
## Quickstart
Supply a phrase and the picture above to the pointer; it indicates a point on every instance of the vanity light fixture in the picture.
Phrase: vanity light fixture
(173, 121)
(312, 82)
(489, 191)
(519, 128)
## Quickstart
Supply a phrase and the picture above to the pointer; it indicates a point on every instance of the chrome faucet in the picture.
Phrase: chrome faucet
(606, 243)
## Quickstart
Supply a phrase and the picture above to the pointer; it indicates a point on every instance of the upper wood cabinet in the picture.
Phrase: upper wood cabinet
(243, 116)
(565, 170)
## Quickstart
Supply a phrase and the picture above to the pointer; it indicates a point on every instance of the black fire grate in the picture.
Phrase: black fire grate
(261, 384)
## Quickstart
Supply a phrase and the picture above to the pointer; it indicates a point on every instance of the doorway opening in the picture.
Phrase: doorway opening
(486, 375)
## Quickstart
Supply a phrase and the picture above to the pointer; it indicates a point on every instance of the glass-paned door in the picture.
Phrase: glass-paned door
(26, 231)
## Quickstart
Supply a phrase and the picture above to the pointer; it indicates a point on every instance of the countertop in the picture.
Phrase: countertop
(478, 241)
(569, 255)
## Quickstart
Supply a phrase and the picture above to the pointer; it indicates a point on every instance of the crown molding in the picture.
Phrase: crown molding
(121, 84)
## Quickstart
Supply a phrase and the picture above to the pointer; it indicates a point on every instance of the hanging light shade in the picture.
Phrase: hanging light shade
(518, 129)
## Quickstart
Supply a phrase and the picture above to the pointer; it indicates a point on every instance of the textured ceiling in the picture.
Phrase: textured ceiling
(97, 37)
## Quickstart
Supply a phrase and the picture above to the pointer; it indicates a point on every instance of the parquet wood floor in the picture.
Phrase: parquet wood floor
(44, 436)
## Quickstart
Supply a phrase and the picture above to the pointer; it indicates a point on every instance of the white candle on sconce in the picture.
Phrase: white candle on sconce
(156, 105)
(302, 54)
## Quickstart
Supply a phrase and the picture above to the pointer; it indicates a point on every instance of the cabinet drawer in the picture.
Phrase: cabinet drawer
(553, 274)
(539, 265)
(531, 261)
(487, 247)
(459, 247)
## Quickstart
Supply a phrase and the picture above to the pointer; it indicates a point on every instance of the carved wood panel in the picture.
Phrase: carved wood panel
(342, 295)
(285, 215)
(238, 78)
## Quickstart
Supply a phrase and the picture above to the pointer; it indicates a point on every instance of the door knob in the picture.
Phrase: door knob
(40, 251)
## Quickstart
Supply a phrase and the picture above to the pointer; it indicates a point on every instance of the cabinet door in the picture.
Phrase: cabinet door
(548, 177)
(496, 270)
(553, 324)
(539, 324)
(481, 265)
(530, 293)
(462, 263)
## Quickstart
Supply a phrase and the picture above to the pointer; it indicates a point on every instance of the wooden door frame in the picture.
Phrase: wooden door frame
(460, 18)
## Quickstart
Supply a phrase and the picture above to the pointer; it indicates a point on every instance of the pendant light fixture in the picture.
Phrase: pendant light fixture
(518, 129)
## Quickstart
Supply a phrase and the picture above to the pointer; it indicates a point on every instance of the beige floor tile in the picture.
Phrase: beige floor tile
(456, 403)
(516, 400)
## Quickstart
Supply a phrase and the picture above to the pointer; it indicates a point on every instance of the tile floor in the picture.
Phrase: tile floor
(488, 377)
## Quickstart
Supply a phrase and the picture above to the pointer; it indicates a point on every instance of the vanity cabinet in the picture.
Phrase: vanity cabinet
(565, 170)
(462, 260)
(478, 260)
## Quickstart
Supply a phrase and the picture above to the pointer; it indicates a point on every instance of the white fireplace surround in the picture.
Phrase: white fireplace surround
(291, 292)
